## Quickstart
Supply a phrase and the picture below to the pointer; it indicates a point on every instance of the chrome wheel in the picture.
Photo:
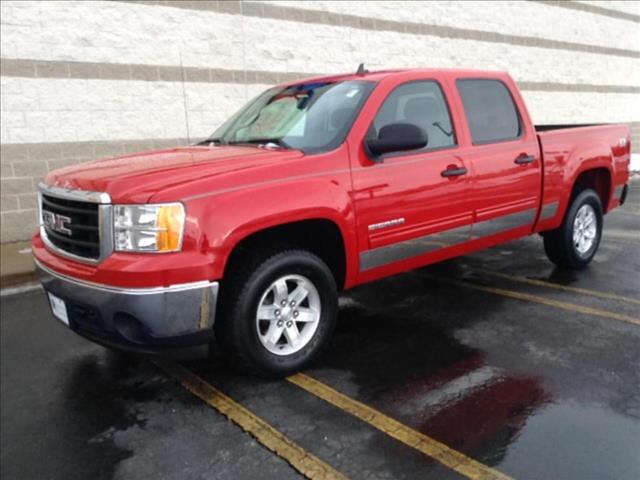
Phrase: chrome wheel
(585, 229)
(288, 314)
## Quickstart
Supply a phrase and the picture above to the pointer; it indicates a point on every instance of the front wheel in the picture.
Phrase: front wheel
(280, 313)
(576, 241)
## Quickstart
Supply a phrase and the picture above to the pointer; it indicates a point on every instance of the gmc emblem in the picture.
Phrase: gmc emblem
(56, 222)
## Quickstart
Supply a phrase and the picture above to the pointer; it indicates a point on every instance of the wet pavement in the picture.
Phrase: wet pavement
(546, 387)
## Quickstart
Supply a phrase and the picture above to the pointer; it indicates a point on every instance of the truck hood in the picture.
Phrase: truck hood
(136, 178)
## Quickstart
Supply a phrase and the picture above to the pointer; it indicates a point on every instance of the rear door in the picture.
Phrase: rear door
(503, 153)
(411, 205)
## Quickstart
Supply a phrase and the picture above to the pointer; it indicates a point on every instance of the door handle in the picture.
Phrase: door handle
(524, 159)
(454, 172)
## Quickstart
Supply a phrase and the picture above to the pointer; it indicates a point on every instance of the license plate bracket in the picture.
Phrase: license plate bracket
(58, 308)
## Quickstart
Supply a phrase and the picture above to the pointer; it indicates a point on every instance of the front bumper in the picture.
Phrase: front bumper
(139, 319)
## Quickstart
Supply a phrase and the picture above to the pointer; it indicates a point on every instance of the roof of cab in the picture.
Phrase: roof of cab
(378, 75)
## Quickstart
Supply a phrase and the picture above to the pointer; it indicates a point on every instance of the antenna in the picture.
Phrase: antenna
(361, 70)
(184, 100)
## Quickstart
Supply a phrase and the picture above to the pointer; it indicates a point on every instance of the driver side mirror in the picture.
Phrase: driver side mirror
(396, 137)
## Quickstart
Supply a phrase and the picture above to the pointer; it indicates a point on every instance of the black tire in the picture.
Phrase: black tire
(236, 331)
(559, 245)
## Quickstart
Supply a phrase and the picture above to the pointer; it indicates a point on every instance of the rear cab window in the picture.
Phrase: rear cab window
(491, 113)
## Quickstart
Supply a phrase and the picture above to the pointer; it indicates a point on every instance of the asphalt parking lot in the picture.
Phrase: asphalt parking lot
(496, 364)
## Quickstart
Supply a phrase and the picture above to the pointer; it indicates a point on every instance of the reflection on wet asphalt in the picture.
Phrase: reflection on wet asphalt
(533, 391)
(496, 378)
(73, 410)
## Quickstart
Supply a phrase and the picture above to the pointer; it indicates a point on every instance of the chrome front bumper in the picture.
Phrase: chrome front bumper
(144, 319)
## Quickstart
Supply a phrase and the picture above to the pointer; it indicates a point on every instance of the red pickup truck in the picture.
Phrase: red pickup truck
(314, 187)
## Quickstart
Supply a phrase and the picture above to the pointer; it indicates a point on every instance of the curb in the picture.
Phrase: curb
(17, 279)
(17, 265)
(23, 288)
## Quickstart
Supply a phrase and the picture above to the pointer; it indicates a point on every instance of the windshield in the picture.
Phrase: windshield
(311, 117)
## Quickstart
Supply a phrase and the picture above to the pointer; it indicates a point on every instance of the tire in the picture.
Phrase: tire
(254, 346)
(559, 244)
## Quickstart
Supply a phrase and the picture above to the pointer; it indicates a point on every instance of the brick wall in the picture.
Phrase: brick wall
(84, 80)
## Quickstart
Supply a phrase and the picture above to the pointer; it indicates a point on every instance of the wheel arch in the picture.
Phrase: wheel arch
(589, 166)
(323, 236)
(598, 179)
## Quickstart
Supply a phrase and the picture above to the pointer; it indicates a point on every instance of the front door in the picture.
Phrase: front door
(411, 205)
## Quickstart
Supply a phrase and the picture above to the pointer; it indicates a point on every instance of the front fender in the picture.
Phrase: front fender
(225, 219)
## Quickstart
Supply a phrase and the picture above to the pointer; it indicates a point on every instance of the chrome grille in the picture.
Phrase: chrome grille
(76, 223)
(79, 232)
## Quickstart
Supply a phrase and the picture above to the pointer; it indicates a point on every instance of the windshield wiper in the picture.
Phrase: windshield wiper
(210, 141)
(262, 142)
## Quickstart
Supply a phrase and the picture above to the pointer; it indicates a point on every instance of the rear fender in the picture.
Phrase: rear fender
(596, 157)
(580, 160)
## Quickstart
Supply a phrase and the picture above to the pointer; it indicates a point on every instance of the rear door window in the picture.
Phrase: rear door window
(492, 115)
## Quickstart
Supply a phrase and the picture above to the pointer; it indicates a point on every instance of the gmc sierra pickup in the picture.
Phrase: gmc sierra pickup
(314, 187)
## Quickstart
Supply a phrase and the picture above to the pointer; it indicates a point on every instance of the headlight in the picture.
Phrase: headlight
(148, 228)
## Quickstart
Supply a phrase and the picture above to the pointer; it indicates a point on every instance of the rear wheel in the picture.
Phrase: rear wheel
(279, 313)
(576, 241)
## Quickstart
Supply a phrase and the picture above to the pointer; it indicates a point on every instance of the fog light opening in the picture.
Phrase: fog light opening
(130, 327)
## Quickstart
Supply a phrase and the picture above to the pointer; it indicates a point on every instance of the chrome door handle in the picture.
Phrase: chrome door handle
(454, 172)
(524, 159)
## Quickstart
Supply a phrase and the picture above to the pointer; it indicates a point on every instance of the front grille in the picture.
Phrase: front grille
(79, 231)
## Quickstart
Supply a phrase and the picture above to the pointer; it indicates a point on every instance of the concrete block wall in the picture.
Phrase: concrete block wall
(85, 80)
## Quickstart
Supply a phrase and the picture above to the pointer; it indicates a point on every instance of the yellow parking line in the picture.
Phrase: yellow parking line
(304, 462)
(537, 299)
(447, 456)
(567, 288)
(627, 212)
(625, 241)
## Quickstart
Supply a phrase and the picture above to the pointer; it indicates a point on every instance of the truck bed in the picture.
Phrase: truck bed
(547, 128)
(586, 146)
